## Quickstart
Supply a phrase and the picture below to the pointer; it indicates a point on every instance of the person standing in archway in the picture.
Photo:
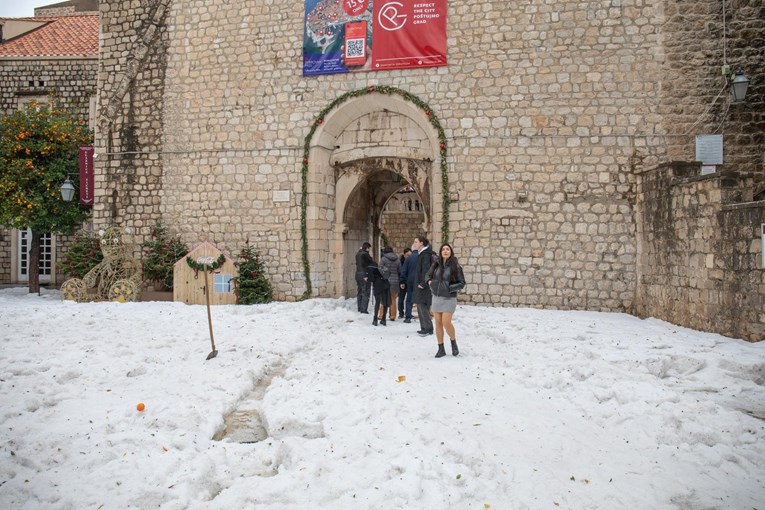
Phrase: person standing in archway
(390, 263)
(446, 279)
(402, 283)
(378, 276)
(363, 287)
(407, 281)
(422, 296)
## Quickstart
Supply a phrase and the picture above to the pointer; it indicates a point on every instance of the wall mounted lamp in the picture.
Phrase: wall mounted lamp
(738, 85)
(67, 190)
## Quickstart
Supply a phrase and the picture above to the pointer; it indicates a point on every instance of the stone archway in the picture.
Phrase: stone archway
(364, 187)
(356, 151)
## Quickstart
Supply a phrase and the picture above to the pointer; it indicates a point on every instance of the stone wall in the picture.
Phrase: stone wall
(72, 81)
(699, 260)
(6, 255)
(550, 111)
(695, 98)
(68, 8)
(401, 227)
(698, 235)
(55, 11)
(129, 134)
(540, 101)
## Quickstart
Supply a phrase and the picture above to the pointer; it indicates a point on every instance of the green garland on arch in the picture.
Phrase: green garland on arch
(196, 266)
(379, 89)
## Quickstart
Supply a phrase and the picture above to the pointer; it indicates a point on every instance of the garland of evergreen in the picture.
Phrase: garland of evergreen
(380, 89)
(196, 266)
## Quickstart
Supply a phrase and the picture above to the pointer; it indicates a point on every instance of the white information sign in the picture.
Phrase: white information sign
(281, 196)
(709, 149)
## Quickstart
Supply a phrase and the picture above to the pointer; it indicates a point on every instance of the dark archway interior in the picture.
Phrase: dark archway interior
(373, 213)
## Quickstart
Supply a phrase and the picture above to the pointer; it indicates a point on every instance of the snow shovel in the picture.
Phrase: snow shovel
(209, 318)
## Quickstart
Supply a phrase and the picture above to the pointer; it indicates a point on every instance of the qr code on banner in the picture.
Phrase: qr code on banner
(354, 48)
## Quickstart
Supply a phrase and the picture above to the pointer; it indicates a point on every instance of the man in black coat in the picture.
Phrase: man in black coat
(363, 287)
(422, 296)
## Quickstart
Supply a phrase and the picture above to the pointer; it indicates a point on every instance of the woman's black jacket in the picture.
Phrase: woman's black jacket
(443, 283)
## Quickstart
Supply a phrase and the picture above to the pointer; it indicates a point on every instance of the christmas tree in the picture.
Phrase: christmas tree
(252, 286)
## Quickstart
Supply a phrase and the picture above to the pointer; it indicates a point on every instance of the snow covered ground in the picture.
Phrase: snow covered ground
(542, 409)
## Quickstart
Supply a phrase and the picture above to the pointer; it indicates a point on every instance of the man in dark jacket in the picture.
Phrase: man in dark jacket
(422, 296)
(363, 287)
(406, 282)
(402, 284)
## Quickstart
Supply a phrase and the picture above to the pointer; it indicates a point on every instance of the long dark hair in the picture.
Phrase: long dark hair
(451, 262)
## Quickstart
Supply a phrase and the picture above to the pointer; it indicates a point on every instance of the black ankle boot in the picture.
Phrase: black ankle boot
(382, 322)
(441, 351)
(455, 351)
(374, 322)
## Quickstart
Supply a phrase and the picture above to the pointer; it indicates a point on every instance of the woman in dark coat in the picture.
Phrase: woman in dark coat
(445, 279)
(390, 262)
(381, 290)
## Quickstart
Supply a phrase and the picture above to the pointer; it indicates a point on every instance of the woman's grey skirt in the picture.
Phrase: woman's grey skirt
(443, 304)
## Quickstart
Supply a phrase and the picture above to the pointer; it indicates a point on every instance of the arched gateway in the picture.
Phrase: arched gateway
(366, 149)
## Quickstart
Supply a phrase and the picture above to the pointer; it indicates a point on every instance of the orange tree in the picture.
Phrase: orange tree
(38, 151)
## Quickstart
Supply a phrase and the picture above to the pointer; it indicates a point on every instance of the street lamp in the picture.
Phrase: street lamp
(738, 85)
(67, 190)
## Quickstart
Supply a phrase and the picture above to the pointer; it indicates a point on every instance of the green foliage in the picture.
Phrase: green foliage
(38, 151)
(252, 286)
(82, 256)
(162, 251)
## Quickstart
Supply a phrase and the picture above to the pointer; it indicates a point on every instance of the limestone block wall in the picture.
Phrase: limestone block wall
(72, 81)
(544, 106)
(387, 134)
(694, 96)
(5, 255)
(129, 141)
(55, 11)
(744, 278)
(401, 227)
(700, 257)
(549, 110)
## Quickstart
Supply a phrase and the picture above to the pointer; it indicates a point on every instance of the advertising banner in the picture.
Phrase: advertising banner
(409, 34)
(342, 36)
(86, 174)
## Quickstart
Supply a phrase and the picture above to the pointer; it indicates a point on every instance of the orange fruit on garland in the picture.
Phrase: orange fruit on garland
(140, 406)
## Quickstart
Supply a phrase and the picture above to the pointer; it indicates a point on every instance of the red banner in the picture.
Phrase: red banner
(409, 34)
(86, 174)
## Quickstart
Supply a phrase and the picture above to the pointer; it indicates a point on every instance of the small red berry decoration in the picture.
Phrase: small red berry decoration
(140, 407)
